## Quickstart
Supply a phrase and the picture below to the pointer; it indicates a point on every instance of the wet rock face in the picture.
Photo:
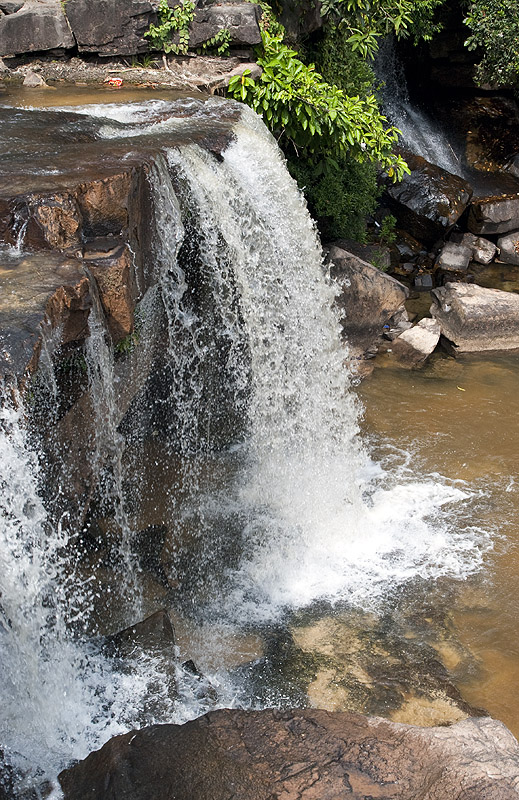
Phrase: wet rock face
(368, 298)
(475, 319)
(34, 26)
(310, 754)
(429, 201)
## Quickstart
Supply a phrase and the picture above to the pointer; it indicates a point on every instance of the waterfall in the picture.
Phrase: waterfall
(298, 511)
(421, 134)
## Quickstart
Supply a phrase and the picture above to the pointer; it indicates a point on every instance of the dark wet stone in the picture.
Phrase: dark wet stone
(429, 201)
(155, 633)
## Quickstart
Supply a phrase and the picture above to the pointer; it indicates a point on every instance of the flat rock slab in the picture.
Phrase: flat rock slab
(367, 299)
(429, 201)
(475, 319)
(301, 755)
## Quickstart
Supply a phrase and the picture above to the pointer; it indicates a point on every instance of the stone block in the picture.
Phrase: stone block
(454, 257)
(111, 27)
(509, 248)
(490, 215)
(415, 345)
(429, 201)
(475, 319)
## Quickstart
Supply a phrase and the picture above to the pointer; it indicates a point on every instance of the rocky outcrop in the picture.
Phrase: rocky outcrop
(429, 201)
(368, 299)
(110, 28)
(240, 19)
(306, 754)
(36, 25)
(475, 319)
(491, 215)
(415, 345)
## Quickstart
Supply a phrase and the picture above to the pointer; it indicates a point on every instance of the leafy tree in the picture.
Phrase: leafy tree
(494, 26)
(310, 114)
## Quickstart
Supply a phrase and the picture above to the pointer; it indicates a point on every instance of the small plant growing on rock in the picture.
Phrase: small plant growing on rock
(173, 23)
(219, 44)
(387, 233)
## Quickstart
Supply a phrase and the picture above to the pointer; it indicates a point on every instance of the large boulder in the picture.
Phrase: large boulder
(498, 214)
(306, 754)
(109, 27)
(429, 201)
(367, 298)
(37, 25)
(240, 19)
(476, 319)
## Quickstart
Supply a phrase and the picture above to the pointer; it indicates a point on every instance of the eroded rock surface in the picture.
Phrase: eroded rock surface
(308, 754)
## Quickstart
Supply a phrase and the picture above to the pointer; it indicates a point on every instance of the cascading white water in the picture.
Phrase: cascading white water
(421, 134)
(318, 519)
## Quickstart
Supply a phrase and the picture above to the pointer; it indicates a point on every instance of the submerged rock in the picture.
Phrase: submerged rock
(260, 755)
(476, 319)
(368, 299)
(429, 201)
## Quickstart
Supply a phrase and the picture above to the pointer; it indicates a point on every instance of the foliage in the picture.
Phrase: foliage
(494, 26)
(219, 43)
(340, 194)
(365, 21)
(173, 23)
(387, 233)
(304, 110)
(339, 64)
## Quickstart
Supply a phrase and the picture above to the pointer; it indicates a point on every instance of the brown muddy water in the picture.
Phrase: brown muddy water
(459, 417)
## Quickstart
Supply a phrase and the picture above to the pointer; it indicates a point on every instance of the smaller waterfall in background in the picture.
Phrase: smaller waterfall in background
(296, 510)
(421, 134)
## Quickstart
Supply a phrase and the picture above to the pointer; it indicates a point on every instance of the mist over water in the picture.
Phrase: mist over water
(312, 515)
